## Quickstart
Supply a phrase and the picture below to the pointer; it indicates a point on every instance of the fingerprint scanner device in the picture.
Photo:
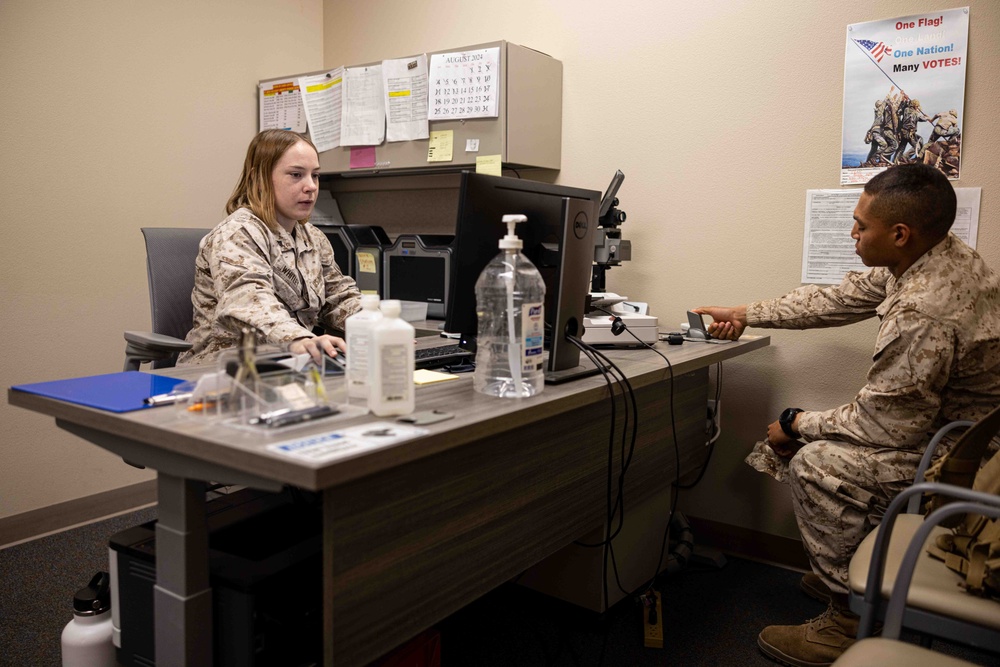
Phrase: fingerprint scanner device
(265, 568)
(417, 267)
(600, 327)
(346, 241)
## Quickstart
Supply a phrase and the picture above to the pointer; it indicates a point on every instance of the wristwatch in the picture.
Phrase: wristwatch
(786, 419)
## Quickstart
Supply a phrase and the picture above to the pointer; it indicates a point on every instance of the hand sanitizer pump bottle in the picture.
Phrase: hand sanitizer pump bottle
(358, 334)
(390, 363)
(510, 302)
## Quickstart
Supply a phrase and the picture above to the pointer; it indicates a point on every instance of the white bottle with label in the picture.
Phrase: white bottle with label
(510, 300)
(390, 363)
(357, 333)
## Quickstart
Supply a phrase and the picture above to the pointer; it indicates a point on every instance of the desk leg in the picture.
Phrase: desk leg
(182, 595)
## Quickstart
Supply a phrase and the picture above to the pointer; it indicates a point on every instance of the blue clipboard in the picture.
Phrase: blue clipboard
(114, 392)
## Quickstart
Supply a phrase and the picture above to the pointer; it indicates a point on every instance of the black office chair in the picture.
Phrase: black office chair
(170, 257)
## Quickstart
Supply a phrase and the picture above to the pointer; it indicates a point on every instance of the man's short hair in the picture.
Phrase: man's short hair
(917, 195)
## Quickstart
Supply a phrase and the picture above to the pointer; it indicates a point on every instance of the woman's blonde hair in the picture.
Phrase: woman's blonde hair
(255, 189)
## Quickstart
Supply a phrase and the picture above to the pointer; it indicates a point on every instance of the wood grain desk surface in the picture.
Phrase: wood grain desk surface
(476, 416)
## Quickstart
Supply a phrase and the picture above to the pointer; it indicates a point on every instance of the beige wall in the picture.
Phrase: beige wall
(721, 114)
(116, 115)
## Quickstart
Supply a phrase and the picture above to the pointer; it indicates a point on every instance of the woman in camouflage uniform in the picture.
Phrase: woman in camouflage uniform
(265, 268)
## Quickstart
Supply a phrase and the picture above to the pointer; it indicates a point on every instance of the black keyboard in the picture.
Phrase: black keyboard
(432, 357)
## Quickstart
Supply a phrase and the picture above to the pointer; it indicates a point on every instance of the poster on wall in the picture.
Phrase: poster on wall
(904, 93)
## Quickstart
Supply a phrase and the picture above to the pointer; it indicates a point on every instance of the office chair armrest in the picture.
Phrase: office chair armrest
(975, 502)
(142, 346)
(925, 460)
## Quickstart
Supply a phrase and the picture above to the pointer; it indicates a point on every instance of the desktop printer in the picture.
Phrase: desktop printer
(609, 318)
(265, 569)
(417, 267)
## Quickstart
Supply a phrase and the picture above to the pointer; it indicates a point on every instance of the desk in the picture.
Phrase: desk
(412, 532)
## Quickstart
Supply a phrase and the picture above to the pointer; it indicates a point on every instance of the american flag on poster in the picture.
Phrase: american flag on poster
(877, 49)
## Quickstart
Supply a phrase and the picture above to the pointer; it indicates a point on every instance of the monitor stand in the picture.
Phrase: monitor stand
(570, 374)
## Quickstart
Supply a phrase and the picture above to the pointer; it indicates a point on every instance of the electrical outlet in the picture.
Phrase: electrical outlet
(653, 632)
(713, 418)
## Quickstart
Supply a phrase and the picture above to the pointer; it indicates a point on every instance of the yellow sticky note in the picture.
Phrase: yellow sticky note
(366, 262)
(489, 165)
(439, 146)
(424, 376)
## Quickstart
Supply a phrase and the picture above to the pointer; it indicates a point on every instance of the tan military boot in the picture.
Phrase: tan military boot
(815, 643)
(813, 586)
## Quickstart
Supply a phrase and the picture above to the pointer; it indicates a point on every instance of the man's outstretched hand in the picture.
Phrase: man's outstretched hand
(728, 323)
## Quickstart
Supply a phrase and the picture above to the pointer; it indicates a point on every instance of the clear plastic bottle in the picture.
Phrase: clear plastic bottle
(357, 333)
(510, 302)
(86, 640)
(390, 363)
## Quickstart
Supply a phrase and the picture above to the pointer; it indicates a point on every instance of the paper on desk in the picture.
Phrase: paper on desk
(321, 99)
(827, 247)
(405, 84)
(281, 106)
(347, 442)
(424, 376)
(362, 119)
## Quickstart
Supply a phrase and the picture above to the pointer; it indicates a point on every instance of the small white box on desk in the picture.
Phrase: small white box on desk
(597, 329)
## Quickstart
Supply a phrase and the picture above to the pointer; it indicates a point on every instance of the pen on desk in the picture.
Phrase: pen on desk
(298, 416)
(166, 399)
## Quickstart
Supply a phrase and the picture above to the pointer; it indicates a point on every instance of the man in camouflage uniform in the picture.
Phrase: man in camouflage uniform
(936, 359)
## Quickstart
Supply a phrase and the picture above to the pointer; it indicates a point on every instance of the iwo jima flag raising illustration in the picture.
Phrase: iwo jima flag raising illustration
(904, 94)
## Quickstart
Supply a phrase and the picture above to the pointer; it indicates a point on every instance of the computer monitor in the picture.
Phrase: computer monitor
(559, 240)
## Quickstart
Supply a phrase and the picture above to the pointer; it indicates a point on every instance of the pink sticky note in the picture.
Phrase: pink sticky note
(362, 157)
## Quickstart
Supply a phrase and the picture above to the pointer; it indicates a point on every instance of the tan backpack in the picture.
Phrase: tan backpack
(972, 548)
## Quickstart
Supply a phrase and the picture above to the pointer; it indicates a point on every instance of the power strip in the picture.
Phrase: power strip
(653, 632)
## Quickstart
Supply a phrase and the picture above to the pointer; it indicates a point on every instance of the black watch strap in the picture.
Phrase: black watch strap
(786, 419)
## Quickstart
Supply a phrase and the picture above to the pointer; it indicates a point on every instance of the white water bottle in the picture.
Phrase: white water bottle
(510, 301)
(86, 640)
(357, 332)
(390, 363)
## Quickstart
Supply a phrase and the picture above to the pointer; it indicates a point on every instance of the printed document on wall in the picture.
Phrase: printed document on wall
(280, 106)
(465, 84)
(362, 121)
(322, 102)
(405, 83)
(828, 251)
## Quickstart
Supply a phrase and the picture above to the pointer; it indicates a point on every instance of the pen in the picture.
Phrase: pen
(298, 416)
(166, 399)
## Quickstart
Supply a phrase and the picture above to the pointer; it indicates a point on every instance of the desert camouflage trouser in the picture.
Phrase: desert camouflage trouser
(840, 493)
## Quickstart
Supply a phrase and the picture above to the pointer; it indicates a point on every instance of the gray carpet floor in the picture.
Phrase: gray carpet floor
(711, 616)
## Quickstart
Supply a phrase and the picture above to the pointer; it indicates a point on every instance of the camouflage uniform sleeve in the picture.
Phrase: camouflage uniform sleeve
(899, 404)
(243, 276)
(853, 300)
